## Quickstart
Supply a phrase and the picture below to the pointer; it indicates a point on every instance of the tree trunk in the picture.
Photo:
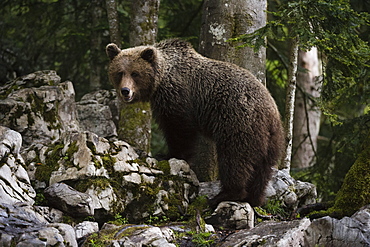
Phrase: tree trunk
(95, 45)
(225, 19)
(113, 22)
(222, 20)
(306, 113)
(289, 104)
(144, 18)
(135, 119)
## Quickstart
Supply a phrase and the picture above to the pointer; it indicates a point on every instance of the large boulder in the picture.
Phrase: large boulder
(39, 107)
(270, 233)
(21, 225)
(98, 113)
(15, 185)
(349, 231)
(292, 193)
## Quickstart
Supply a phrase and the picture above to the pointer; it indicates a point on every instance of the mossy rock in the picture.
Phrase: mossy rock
(355, 191)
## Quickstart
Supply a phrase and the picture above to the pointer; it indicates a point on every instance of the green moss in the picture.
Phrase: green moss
(355, 191)
(43, 171)
(49, 115)
(103, 238)
(130, 230)
(164, 166)
(72, 149)
(108, 163)
(98, 183)
(137, 114)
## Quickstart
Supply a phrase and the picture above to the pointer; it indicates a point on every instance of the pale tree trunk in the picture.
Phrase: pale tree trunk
(306, 112)
(225, 19)
(113, 22)
(289, 104)
(96, 45)
(144, 19)
(135, 119)
(222, 20)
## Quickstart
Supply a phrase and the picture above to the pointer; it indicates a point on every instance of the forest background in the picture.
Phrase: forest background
(70, 36)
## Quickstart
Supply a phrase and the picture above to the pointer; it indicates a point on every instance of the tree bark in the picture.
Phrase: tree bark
(113, 22)
(306, 112)
(222, 20)
(95, 45)
(225, 19)
(144, 19)
(289, 103)
(135, 119)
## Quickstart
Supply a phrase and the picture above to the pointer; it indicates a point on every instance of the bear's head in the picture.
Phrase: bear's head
(133, 72)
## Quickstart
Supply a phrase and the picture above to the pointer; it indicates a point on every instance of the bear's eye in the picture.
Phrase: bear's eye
(120, 75)
(134, 74)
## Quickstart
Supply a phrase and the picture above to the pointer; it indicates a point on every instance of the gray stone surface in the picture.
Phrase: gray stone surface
(232, 215)
(351, 231)
(15, 185)
(271, 234)
(69, 200)
(95, 113)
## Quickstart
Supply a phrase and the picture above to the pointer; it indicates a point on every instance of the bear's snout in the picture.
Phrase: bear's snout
(127, 94)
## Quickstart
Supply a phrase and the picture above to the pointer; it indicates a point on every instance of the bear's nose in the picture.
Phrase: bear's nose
(125, 91)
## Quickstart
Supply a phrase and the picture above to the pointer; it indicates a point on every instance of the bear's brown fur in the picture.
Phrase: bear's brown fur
(192, 95)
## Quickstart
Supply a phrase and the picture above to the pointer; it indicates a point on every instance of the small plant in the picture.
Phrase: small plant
(203, 239)
(119, 220)
(274, 207)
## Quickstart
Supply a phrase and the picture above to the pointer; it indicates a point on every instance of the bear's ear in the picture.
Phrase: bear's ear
(148, 54)
(112, 51)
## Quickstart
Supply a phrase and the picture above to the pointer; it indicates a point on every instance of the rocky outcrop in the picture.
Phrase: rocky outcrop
(39, 107)
(270, 233)
(98, 113)
(292, 193)
(349, 231)
(22, 225)
(15, 185)
(73, 166)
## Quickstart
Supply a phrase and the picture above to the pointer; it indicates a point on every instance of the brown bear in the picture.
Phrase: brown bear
(191, 95)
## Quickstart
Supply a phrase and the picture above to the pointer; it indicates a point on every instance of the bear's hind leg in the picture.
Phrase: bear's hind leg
(257, 185)
(234, 178)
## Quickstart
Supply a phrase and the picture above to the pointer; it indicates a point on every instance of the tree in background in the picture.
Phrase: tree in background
(224, 20)
(113, 21)
(307, 114)
(333, 27)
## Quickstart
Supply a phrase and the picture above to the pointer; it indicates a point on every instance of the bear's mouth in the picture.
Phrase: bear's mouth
(128, 98)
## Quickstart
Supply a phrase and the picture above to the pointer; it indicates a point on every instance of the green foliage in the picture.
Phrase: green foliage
(331, 26)
(119, 220)
(355, 191)
(335, 155)
(275, 207)
(203, 239)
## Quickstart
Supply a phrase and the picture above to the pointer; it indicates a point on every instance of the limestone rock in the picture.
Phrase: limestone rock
(77, 160)
(85, 228)
(291, 192)
(232, 215)
(95, 113)
(68, 200)
(349, 231)
(272, 234)
(209, 189)
(21, 225)
(52, 215)
(39, 107)
(141, 235)
(15, 185)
